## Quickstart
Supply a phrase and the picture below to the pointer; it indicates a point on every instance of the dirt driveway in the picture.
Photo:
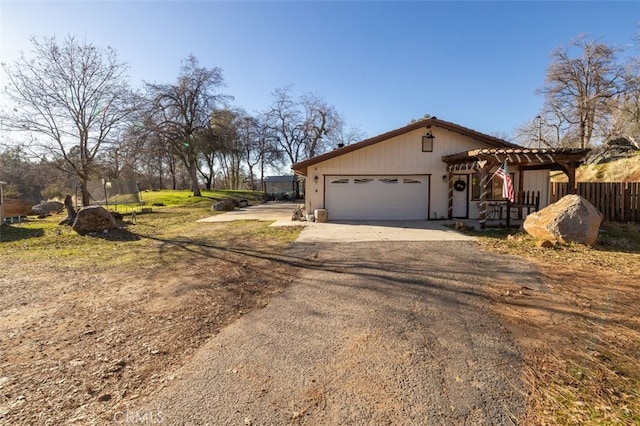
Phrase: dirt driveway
(371, 333)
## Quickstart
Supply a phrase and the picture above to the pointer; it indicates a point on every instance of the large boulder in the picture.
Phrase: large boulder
(299, 214)
(225, 205)
(47, 208)
(93, 219)
(240, 203)
(570, 219)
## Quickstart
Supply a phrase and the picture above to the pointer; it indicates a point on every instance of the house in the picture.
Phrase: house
(430, 169)
(282, 187)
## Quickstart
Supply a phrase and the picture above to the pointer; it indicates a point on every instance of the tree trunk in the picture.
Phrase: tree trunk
(86, 198)
(252, 185)
(193, 174)
(71, 212)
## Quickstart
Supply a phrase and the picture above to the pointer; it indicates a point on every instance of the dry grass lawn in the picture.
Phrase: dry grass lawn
(581, 334)
(625, 170)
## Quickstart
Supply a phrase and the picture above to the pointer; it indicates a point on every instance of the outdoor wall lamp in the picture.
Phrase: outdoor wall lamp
(315, 179)
(427, 142)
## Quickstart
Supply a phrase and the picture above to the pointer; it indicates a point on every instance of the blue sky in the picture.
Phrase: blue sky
(477, 64)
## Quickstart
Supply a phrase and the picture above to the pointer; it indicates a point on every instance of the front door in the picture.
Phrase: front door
(460, 201)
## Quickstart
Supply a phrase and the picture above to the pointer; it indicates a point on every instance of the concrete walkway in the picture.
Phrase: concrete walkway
(345, 231)
(384, 230)
(279, 213)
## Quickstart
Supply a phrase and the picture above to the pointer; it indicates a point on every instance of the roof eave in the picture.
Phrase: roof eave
(301, 167)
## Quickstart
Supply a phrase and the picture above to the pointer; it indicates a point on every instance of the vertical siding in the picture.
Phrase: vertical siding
(538, 180)
(401, 155)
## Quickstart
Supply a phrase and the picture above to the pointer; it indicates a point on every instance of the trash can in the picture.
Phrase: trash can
(321, 215)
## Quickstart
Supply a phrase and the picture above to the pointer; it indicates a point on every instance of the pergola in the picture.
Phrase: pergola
(483, 160)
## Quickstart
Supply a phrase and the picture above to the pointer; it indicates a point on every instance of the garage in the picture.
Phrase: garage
(377, 197)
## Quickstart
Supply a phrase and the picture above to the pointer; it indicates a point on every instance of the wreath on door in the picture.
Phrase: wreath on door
(459, 185)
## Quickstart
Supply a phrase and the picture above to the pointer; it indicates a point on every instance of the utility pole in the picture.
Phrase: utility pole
(539, 118)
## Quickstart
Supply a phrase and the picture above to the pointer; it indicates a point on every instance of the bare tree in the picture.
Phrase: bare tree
(301, 128)
(581, 90)
(259, 148)
(249, 138)
(285, 122)
(321, 122)
(219, 146)
(344, 135)
(626, 117)
(179, 111)
(547, 130)
(71, 98)
(208, 146)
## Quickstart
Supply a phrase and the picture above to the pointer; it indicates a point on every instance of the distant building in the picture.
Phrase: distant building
(282, 187)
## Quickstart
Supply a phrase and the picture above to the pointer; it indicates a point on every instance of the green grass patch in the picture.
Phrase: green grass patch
(182, 197)
(174, 198)
(168, 234)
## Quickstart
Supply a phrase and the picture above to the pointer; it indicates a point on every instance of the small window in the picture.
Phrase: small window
(494, 190)
(339, 181)
(409, 180)
(427, 143)
(386, 180)
(362, 181)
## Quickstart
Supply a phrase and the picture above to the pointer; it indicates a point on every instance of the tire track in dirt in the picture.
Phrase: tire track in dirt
(371, 333)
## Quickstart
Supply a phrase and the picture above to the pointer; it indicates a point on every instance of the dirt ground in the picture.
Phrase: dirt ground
(580, 335)
(76, 346)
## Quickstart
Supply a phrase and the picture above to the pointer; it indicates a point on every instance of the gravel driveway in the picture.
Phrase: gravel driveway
(369, 333)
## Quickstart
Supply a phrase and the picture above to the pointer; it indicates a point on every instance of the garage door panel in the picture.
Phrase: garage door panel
(376, 197)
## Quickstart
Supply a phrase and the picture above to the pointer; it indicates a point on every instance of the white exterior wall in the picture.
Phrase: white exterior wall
(401, 155)
(538, 180)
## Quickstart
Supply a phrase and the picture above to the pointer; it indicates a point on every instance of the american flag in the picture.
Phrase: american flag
(507, 182)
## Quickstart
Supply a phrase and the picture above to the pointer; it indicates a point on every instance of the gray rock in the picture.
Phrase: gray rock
(299, 213)
(226, 205)
(47, 208)
(93, 219)
(240, 203)
(570, 219)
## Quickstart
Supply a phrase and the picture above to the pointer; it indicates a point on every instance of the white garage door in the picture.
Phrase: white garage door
(376, 197)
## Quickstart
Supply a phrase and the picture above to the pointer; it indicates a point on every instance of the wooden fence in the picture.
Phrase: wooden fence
(617, 201)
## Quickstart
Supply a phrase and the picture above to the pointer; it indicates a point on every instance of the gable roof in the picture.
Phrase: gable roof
(301, 167)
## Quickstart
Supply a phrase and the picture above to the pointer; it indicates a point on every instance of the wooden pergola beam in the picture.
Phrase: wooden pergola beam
(484, 167)
(539, 158)
(569, 169)
(483, 160)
